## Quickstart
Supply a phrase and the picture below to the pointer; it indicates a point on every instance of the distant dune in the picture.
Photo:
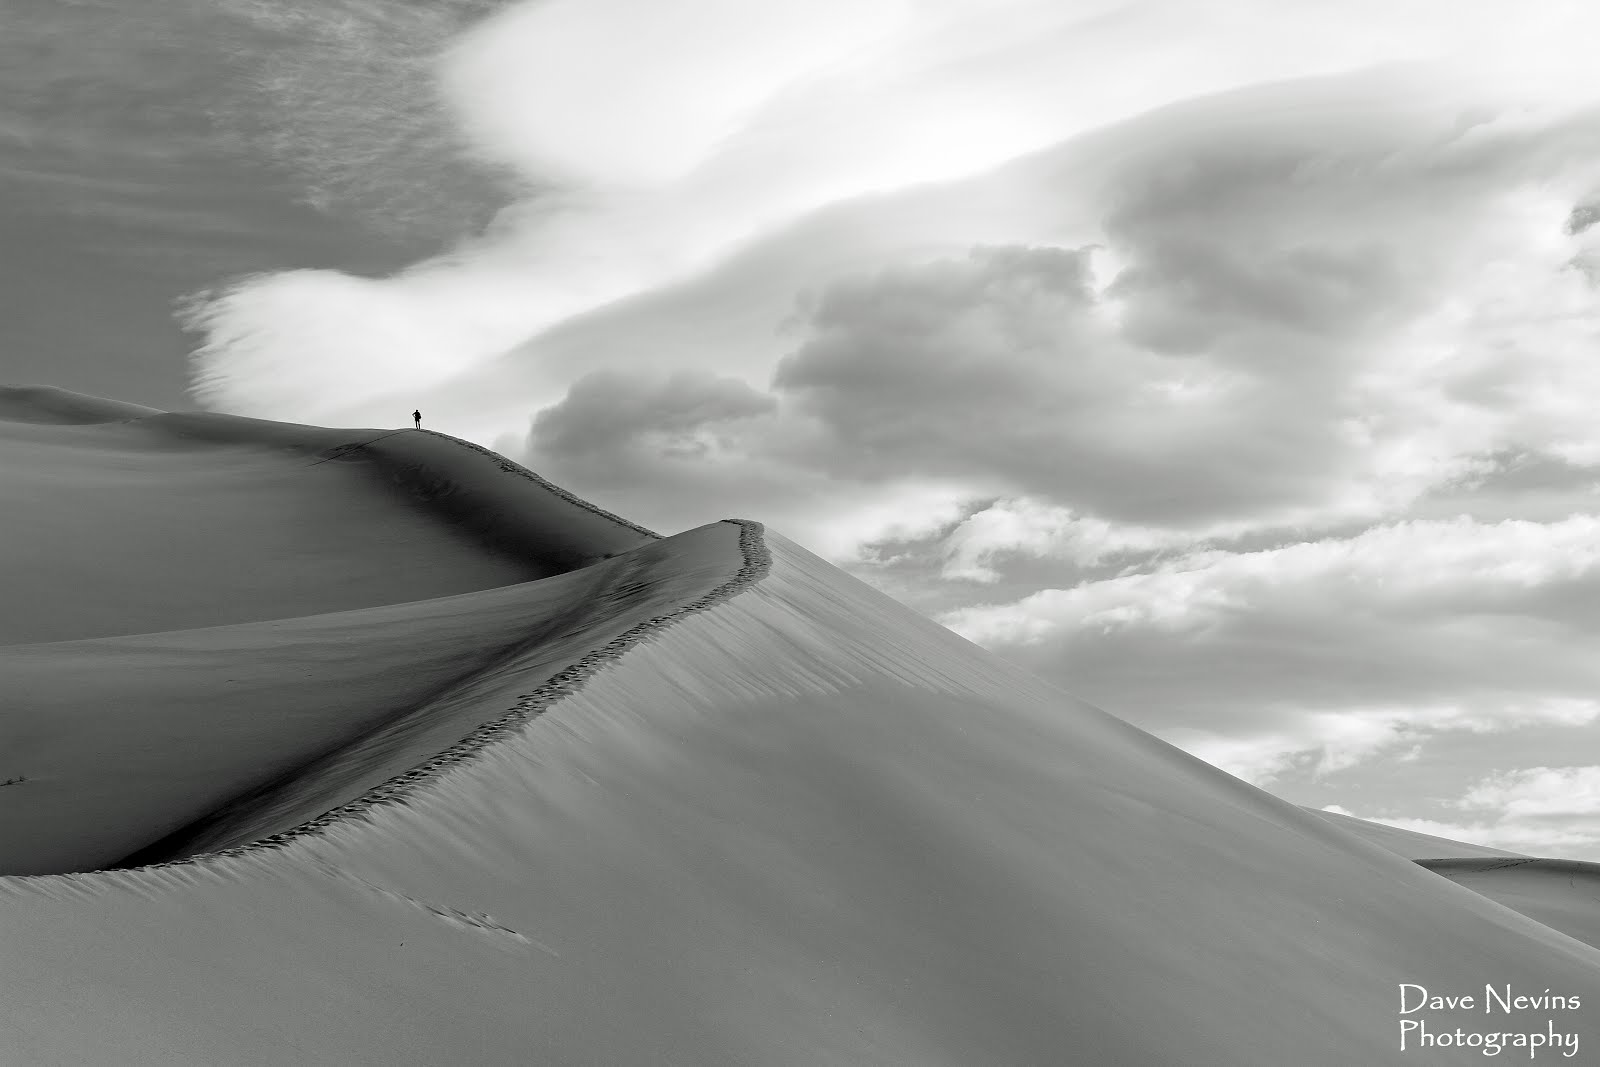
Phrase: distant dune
(368, 746)
(1410, 844)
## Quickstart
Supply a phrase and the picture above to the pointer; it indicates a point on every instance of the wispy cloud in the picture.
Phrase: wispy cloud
(659, 139)
(1552, 811)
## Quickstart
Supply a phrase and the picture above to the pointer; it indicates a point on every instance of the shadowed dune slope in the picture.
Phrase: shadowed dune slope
(198, 605)
(120, 524)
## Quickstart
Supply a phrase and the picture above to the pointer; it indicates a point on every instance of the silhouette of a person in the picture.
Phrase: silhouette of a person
(417, 417)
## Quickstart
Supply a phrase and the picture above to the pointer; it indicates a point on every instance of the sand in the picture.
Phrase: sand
(585, 795)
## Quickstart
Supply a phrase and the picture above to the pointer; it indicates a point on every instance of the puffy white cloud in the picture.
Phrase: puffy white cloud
(1539, 791)
(1024, 526)
(617, 92)
(1303, 661)
(1551, 811)
(1438, 567)
(1320, 743)
(1298, 328)
(247, 325)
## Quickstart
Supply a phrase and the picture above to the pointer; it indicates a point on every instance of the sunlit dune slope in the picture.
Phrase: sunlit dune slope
(725, 805)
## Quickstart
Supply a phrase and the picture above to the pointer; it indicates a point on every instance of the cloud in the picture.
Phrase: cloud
(1000, 367)
(1436, 567)
(684, 448)
(1538, 791)
(1303, 660)
(341, 98)
(911, 369)
(1024, 526)
(617, 92)
(1320, 743)
(609, 420)
(1292, 324)
(651, 143)
(247, 325)
(1344, 275)
(1550, 811)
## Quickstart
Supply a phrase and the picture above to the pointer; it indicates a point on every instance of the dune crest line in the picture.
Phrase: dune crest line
(511, 466)
(755, 564)
(549, 532)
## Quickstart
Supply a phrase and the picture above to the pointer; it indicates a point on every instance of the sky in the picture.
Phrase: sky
(1229, 363)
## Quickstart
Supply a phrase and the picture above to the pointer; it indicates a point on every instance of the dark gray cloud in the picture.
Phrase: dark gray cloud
(1001, 366)
(1192, 295)
(1583, 216)
(1234, 346)
(915, 354)
(608, 417)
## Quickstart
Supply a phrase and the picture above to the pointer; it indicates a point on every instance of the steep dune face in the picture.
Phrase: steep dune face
(125, 521)
(560, 621)
(724, 804)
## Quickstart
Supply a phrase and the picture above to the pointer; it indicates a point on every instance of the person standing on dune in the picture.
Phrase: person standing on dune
(416, 417)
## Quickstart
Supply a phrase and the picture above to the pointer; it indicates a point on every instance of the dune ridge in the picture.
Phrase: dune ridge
(513, 467)
(754, 561)
(555, 527)
(453, 477)
(177, 632)
(50, 404)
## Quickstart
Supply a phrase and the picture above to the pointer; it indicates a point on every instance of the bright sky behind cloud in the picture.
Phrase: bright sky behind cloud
(1229, 362)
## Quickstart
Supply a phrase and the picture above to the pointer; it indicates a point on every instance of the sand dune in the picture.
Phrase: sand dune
(519, 782)
(1564, 894)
